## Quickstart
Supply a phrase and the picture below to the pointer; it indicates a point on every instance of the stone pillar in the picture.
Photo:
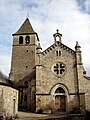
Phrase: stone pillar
(79, 70)
(38, 86)
(79, 61)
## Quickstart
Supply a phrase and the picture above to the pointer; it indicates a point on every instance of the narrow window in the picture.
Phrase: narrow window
(27, 39)
(56, 53)
(57, 38)
(20, 40)
(25, 97)
(59, 53)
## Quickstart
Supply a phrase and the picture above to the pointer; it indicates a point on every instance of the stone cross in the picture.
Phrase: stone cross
(57, 30)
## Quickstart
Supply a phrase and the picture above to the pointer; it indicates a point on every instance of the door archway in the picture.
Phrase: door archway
(60, 100)
(60, 91)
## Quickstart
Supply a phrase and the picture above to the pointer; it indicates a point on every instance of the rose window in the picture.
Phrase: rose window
(58, 69)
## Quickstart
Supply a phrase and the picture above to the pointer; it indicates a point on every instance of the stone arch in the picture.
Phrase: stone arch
(52, 91)
(62, 91)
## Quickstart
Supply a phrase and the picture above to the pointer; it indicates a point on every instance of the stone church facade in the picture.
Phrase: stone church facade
(53, 79)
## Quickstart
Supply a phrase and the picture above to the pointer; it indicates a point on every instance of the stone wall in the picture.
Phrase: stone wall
(84, 86)
(8, 101)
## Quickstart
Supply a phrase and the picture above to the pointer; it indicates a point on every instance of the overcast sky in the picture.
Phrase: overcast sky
(71, 17)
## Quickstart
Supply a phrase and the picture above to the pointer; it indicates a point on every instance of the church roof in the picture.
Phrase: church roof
(5, 81)
(26, 28)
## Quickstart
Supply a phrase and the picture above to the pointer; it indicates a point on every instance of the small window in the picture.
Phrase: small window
(58, 53)
(20, 40)
(57, 38)
(27, 39)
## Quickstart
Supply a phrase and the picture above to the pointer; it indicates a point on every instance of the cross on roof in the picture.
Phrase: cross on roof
(27, 16)
(57, 30)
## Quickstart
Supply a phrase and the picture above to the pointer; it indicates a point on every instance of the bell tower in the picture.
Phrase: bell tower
(25, 42)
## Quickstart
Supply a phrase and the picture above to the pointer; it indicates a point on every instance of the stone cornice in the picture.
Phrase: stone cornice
(57, 44)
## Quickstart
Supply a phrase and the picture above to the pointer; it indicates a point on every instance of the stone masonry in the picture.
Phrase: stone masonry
(8, 99)
(50, 80)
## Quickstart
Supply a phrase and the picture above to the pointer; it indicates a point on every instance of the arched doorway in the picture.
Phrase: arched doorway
(60, 100)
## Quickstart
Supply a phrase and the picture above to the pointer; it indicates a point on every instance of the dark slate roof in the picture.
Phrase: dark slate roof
(5, 81)
(26, 28)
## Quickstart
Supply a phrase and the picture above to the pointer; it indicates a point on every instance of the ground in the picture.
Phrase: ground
(34, 116)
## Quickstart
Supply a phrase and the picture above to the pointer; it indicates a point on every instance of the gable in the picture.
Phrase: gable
(65, 59)
(58, 46)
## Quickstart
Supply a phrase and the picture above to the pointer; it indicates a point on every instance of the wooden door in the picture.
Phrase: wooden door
(60, 103)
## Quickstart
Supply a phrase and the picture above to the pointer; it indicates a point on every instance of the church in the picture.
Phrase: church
(52, 80)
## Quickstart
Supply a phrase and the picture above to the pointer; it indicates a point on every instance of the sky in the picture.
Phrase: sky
(71, 17)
